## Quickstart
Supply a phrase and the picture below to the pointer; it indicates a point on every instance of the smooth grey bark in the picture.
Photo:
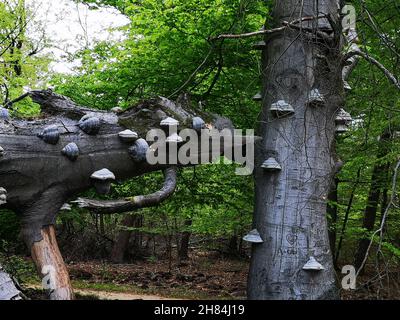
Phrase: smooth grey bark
(290, 205)
(8, 291)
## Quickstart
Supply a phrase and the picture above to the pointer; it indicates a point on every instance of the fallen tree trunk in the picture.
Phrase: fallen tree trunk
(48, 161)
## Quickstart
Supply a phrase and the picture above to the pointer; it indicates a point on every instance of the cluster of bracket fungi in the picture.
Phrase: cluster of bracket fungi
(91, 125)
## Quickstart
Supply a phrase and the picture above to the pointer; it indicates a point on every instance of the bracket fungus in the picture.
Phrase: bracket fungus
(4, 114)
(71, 151)
(258, 97)
(253, 236)
(169, 122)
(341, 128)
(316, 99)
(117, 110)
(271, 165)
(174, 138)
(66, 207)
(343, 117)
(3, 196)
(102, 180)
(346, 86)
(128, 136)
(50, 134)
(90, 125)
(198, 123)
(139, 150)
(281, 109)
(313, 265)
(342, 121)
(260, 45)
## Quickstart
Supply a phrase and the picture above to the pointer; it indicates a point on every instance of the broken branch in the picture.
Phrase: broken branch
(138, 202)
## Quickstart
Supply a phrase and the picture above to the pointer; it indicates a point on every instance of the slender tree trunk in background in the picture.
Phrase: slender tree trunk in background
(290, 205)
(122, 242)
(50, 265)
(233, 245)
(183, 252)
(102, 227)
(378, 180)
(346, 217)
(333, 214)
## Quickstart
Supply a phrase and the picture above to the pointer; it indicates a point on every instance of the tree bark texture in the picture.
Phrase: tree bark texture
(290, 205)
(50, 265)
(333, 214)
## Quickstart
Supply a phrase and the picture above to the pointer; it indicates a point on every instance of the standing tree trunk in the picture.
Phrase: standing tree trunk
(183, 252)
(121, 244)
(290, 205)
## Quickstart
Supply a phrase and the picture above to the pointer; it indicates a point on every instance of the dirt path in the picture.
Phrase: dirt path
(106, 295)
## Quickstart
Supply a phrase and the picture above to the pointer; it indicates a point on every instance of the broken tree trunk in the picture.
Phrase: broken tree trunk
(298, 130)
(50, 265)
(48, 161)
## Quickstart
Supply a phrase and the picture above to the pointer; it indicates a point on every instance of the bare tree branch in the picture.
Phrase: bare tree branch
(122, 206)
(268, 31)
(375, 62)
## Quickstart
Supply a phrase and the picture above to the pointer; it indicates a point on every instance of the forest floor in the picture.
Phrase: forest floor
(204, 276)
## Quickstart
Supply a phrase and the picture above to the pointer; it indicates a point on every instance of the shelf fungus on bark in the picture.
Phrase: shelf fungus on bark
(342, 121)
(3, 196)
(198, 123)
(66, 207)
(271, 165)
(1, 152)
(128, 136)
(260, 45)
(71, 151)
(4, 114)
(50, 134)
(316, 99)
(343, 117)
(117, 110)
(90, 125)
(253, 236)
(341, 128)
(281, 109)
(102, 180)
(313, 265)
(258, 97)
(168, 123)
(139, 150)
(174, 138)
(346, 86)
